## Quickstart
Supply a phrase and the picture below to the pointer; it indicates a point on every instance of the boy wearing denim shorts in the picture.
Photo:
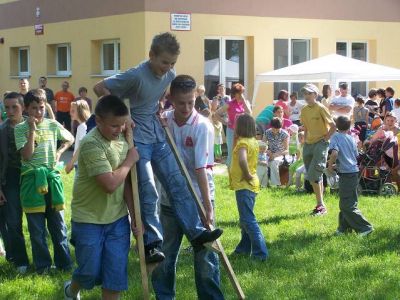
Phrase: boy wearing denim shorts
(194, 138)
(100, 203)
(145, 85)
(41, 189)
(318, 128)
(343, 157)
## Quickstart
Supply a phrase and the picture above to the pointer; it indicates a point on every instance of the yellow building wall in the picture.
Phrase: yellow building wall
(260, 34)
(83, 36)
(136, 31)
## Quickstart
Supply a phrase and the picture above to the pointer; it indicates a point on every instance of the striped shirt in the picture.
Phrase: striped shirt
(47, 133)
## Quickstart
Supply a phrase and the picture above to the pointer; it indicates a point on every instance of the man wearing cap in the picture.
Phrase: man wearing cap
(318, 128)
(342, 105)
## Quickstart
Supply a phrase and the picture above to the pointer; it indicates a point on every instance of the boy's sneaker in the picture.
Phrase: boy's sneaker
(154, 255)
(22, 269)
(66, 296)
(207, 236)
(319, 210)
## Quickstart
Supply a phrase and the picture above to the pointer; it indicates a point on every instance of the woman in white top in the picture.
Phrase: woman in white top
(79, 112)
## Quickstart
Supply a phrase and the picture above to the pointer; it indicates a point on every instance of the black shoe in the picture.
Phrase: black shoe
(207, 236)
(154, 256)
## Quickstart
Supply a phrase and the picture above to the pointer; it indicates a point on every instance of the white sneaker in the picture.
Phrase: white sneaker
(66, 297)
(22, 269)
(365, 233)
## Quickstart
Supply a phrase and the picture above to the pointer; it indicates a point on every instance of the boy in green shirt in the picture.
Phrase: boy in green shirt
(41, 191)
(101, 201)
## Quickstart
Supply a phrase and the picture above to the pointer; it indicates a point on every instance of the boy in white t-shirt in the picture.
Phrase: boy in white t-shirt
(343, 104)
(194, 138)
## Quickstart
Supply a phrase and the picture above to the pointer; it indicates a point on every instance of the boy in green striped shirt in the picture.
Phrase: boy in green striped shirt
(42, 192)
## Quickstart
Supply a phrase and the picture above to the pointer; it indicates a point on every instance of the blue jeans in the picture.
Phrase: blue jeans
(14, 241)
(252, 240)
(58, 232)
(206, 264)
(159, 157)
(102, 254)
(230, 133)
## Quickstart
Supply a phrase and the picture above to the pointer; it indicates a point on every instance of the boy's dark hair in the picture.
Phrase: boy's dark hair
(372, 93)
(397, 101)
(111, 105)
(343, 86)
(294, 94)
(325, 90)
(165, 42)
(35, 95)
(390, 90)
(276, 123)
(82, 89)
(343, 123)
(245, 126)
(381, 92)
(15, 95)
(182, 84)
(276, 108)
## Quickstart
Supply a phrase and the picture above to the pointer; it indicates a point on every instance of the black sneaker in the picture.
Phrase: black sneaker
(207, 236)
(154, 256)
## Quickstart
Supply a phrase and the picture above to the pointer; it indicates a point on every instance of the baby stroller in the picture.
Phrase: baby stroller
(375, 174)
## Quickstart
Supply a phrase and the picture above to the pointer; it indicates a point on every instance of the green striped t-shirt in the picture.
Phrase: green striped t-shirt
(47, 133)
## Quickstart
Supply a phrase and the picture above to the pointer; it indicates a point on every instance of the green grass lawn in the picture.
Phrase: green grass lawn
(306, 260)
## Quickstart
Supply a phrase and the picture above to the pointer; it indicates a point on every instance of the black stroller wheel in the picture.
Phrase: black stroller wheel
(387, 190)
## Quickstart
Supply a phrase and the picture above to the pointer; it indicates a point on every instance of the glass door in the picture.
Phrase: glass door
(224, 62)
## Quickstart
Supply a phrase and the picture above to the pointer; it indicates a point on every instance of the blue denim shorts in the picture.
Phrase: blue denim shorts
(101, 252)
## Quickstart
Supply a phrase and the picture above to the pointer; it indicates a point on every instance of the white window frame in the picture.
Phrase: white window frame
(222, 40)
(348, 54)
(116, 58)
(28, 72)
(290, 58)
(68, 71)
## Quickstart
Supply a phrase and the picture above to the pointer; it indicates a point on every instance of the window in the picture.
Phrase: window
(289, 52)
(23, 62)
(63, 59)
(357, 50)
(224, 62)
(110, 57)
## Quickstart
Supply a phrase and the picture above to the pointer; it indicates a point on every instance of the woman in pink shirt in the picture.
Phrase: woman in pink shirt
(237, 106)
(283, 98)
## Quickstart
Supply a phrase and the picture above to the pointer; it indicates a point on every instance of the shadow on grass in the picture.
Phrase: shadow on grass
(379, 241)
(266, 221)
(279, 218)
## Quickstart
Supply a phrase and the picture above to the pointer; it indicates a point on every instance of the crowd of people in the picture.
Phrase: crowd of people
(38, 126)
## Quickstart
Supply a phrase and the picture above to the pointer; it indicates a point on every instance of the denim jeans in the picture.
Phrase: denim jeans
(252, 241)
(101, 252)
(206, 264)
(230, 133)
(58, 232)
(159, 157)
(15, 241)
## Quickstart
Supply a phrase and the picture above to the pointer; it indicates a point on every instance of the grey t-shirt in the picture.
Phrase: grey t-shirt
(346, 147)
(144, 90)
